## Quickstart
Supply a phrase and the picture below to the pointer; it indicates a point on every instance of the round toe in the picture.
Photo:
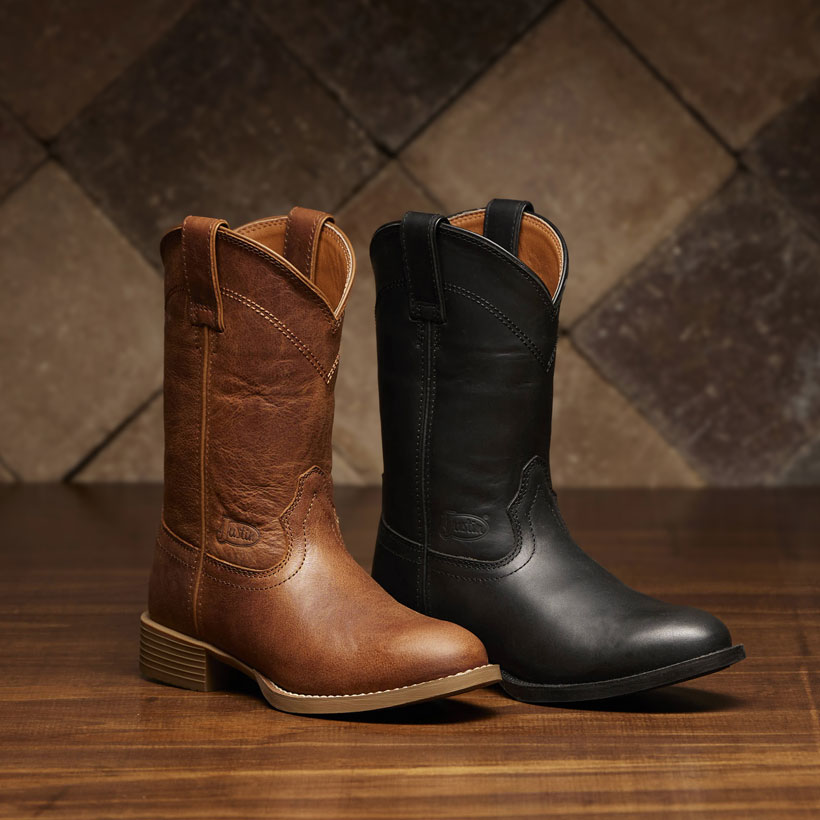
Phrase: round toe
(679, 634)
(437, 649)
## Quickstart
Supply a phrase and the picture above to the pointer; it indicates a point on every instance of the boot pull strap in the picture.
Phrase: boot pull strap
(502, 222)
(419, 242)
(302, 238)
(199, 267)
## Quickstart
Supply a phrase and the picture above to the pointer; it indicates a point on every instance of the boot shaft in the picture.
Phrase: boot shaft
(252, 328)
(467, 326)
(250, 569)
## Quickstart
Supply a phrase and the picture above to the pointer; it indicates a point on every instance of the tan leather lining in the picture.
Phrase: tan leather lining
(333, 263)
(538, 246)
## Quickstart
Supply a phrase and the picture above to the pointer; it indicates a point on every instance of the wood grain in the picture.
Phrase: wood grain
(83, 736)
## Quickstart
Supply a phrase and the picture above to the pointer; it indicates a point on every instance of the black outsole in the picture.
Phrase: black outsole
(598, 690)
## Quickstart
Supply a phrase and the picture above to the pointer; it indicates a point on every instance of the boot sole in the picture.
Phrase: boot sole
(598, 690)
(177, 659)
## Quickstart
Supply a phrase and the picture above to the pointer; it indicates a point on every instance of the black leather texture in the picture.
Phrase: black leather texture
(502, 222)
(471, 531)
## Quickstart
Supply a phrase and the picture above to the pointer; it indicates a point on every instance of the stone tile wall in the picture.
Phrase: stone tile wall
(675, 144)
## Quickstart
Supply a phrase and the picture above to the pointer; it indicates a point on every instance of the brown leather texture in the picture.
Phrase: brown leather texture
(302, 235)
(249, 556)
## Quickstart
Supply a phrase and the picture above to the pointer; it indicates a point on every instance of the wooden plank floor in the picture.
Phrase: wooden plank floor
(82, 735)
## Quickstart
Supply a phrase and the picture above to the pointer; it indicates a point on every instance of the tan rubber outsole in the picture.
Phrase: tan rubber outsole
(171, 657)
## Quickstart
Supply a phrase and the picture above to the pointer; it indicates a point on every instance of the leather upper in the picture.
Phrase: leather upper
(249, 556)
(471, 530)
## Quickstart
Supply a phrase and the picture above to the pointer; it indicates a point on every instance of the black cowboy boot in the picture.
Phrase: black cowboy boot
(467, 322)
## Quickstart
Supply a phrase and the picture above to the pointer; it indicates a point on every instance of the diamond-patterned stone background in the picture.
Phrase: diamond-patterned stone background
(674, 143)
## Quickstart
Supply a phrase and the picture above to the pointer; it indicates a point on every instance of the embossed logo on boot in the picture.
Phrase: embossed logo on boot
(463, 527)
(236, 533)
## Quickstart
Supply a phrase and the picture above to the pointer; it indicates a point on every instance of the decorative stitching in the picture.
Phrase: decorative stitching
(431, 238)
(193, 582)
(505, 320)
(166, 529)
(512, 515)
(211, 356)
(287, 238)
(419, 459)
(414, 545)
(254, 573)
(286, 332)
(203, 432)
(384, 691)
(332, 235)
(523, 274)
(262, 223)
(433, 350)
(287, 578)
(512, 556)
(392, 551)
(185, 268)
(529, 277)
(170, 554)
(310, 244)
(327, 314)
(531, 219)
(410, 291)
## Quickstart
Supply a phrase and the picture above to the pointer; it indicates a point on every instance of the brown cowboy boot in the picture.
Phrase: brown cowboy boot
(250, 570)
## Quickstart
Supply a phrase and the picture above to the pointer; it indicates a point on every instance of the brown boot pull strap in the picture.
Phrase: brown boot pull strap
(199, 266)
(302, 238)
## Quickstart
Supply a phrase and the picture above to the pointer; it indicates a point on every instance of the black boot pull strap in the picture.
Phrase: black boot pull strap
(419, 243)
(502, 222)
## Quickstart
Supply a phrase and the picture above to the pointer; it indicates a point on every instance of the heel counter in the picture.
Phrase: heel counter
(171, 584)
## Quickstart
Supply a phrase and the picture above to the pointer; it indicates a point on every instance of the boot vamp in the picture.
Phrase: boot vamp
(318, 624)
(549, 613)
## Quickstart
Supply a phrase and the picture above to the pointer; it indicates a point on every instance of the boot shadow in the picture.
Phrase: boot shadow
(670, 700)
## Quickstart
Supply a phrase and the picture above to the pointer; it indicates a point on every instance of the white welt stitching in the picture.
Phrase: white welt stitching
(384, 691)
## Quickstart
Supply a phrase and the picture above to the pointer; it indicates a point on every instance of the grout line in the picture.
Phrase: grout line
(151, 46)
(459, 92)
(383, 153)
(633, 405)
(741, 167)
(381, 146)
(387, 154)
(12, 189)
(154, 263)
(662, 79)
(803, 222)
(108, 439)
(422, 186)
(361, 185)
(633, 273)
(317, 79)
(50, 146)
(13, 473)
(404, 170)
(21, 183)
(23, 124)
